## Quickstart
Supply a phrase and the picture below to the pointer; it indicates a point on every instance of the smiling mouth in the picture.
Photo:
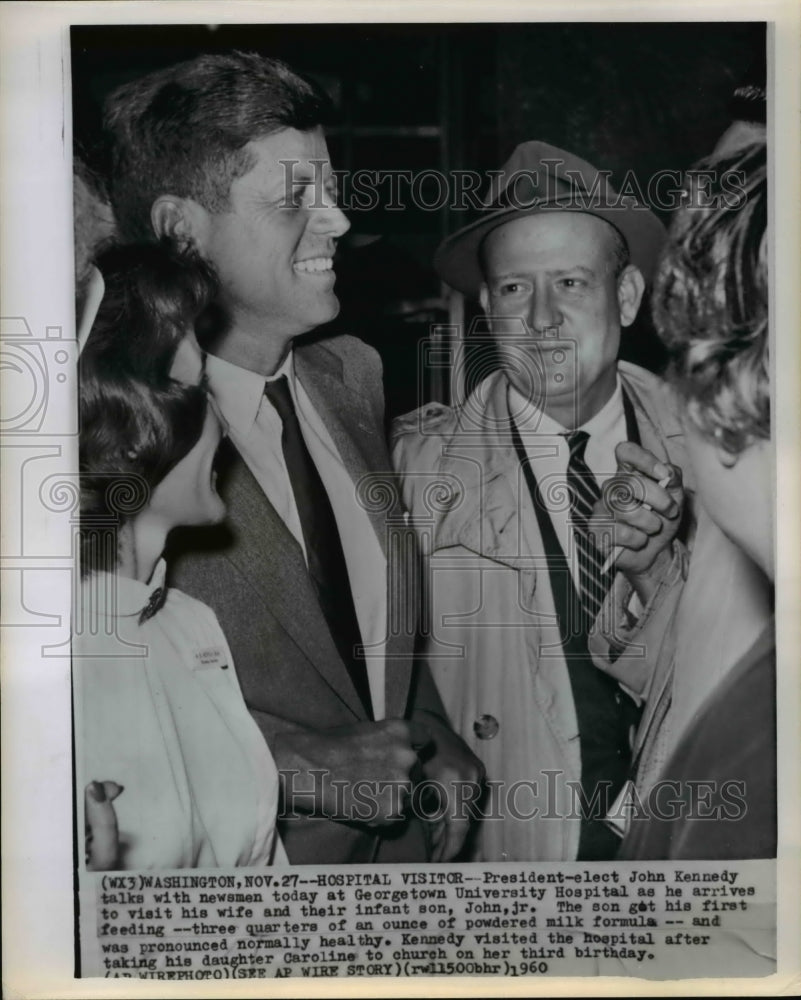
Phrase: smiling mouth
(314, 265)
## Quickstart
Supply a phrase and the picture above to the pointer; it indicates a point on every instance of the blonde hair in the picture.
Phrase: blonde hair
(710, 300)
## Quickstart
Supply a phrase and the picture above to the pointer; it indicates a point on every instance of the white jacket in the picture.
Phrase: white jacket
(158, 709)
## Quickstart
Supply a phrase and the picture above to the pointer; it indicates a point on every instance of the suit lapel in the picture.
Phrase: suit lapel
(358, 436)
(266, 542)
(344, 405)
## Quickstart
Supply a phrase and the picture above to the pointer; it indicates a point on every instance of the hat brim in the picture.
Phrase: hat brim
(457, 259)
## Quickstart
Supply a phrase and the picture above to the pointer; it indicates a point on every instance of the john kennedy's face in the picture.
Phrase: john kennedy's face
(557, 308)
(273, 245)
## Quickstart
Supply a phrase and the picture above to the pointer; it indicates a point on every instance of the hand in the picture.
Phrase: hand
(102, 834)
(457, 776)
(357, 773)
(645, 515)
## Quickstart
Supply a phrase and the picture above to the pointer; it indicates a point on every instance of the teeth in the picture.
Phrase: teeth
(315, 264)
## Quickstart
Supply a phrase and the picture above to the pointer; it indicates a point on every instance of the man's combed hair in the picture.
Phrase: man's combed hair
(184, 130)
(710, 301)
(137, 422)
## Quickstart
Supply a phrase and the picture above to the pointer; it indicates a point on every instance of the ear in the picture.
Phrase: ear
(181, 220)
(630, 288)
(728, 459)
(483, 298)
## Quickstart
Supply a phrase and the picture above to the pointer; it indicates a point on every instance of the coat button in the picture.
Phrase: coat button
(486, 727)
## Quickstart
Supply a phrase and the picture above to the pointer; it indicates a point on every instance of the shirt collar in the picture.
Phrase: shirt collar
(238, 392)
(530, 418)
(606, 418)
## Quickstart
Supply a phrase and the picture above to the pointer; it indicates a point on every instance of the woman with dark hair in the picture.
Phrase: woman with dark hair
(161, 726)
(711, 309)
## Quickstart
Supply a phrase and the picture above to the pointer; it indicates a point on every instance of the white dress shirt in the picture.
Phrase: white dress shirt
(545, 443)
(255, 429)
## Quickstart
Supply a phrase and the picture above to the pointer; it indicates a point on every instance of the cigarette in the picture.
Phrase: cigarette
(615, 551)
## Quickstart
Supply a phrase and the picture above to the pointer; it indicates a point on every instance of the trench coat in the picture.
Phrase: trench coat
(490, 627)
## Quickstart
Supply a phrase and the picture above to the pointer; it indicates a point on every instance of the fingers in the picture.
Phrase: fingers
(102, 835)
(620, 535)
(447, 831)
(412, 741)
(420, 736)
(455, 834)
(380, 763)
(639, 512)
(627, 492)
(375, 772)
(641, 520)
(391, 745)
(632, 457)
(642, 482)
(438, 830)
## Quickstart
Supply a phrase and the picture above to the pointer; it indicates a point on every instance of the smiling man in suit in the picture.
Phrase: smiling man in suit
(226, 153)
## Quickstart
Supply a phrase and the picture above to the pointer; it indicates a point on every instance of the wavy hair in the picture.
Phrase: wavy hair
(184, 130)
(710, 300)
(136, 422)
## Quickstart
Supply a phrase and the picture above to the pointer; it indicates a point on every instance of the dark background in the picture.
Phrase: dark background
(641, 97)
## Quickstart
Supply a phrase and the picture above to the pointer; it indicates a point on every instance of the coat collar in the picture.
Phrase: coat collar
(483, 512)
(481, 465)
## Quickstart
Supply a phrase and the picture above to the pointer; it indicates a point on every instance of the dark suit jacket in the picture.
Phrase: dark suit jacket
(251, 571)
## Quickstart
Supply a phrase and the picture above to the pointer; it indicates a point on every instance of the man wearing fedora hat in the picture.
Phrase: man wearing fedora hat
(556, 519)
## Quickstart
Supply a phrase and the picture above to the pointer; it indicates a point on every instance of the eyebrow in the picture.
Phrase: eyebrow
(309, 172)
(576, 267)
(304, 171)
(300, 176)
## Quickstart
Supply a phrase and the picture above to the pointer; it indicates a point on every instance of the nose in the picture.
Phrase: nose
(328, 218)
(544, 313)
(188, 362)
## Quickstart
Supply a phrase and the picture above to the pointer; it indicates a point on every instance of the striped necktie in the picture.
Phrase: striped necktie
(584, 491)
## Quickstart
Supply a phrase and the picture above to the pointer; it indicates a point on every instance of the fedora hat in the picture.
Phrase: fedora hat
(536, 178)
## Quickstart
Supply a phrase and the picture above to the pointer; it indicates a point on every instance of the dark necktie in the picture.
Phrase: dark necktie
(326, 560)
(603, 712)
(584, 490)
